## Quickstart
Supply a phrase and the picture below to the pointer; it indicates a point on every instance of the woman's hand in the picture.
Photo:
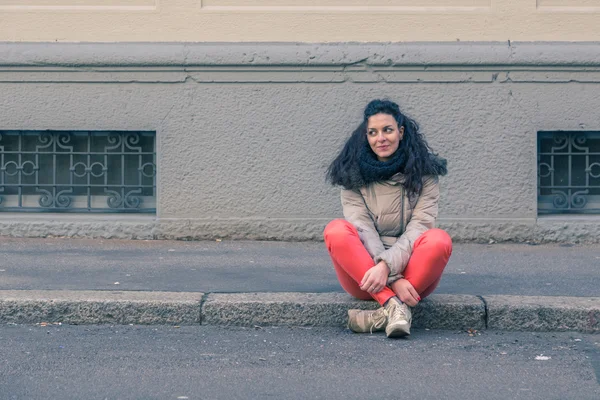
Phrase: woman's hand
(375, 279)
(406, 292)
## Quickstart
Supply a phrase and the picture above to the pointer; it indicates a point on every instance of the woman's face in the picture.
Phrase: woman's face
(384, 135)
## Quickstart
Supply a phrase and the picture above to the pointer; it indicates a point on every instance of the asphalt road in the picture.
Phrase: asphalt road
(245, 266)
(200, 362)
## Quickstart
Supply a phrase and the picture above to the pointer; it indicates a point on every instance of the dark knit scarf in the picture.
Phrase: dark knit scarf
(370, 169)
(373, 170)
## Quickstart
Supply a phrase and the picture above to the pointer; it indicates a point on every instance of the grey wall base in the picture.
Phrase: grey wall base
(543, 230)
(546, 230)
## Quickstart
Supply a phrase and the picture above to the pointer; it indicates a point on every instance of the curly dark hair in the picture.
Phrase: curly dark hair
(420, 159)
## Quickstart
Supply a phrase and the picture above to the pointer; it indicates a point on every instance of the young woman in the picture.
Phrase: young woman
(387, 247)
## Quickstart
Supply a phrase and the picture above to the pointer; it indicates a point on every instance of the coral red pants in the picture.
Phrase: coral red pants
(431, 252)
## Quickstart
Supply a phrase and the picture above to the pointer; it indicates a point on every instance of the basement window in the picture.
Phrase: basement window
(77, 171)
(568, 172)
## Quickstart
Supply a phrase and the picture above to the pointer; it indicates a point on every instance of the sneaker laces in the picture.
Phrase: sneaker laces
(395, 307)
(378, 320)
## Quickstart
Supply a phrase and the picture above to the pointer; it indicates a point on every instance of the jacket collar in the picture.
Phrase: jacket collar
(396, 179)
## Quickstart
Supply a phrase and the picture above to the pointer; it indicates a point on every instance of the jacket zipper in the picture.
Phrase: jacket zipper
(402, 213)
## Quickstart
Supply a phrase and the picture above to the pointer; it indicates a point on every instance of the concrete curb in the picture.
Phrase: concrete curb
(539, 313)
(330, 309)
(99, 307)
(523, 313)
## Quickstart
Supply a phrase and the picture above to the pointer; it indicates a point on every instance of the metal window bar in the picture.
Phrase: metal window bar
(78, 171)
(569, 172)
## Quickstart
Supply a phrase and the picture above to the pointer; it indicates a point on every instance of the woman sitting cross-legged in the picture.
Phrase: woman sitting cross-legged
(387, 247)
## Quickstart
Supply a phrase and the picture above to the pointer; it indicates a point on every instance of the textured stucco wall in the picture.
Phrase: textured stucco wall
(244, 133)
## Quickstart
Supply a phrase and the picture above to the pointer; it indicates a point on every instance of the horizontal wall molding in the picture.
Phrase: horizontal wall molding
(78, 6)
(300, 63)
(347, 6)
(310, 74)
(572, 54)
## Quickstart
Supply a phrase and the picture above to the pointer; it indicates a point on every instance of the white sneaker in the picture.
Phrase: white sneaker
(399, 318)
(362, 321)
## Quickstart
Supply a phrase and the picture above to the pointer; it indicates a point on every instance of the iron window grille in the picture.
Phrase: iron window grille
(568, 172)
(77, 171)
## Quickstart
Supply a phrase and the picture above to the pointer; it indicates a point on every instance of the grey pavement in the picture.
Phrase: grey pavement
(78, 281)
(246, 266)
(207, 362)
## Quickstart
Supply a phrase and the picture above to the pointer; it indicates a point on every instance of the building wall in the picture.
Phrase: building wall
(246, 131)
(298, 21)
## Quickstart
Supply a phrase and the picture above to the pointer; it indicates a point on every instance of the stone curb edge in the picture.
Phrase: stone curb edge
(520, 313)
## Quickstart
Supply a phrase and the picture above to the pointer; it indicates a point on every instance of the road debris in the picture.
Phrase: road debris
(473, 332)
(48, 323)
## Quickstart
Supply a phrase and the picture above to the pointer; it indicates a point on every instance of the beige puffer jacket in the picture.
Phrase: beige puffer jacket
(387, 224)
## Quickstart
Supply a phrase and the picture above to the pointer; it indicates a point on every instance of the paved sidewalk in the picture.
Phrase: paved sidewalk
(246, 266)
(482, 286)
